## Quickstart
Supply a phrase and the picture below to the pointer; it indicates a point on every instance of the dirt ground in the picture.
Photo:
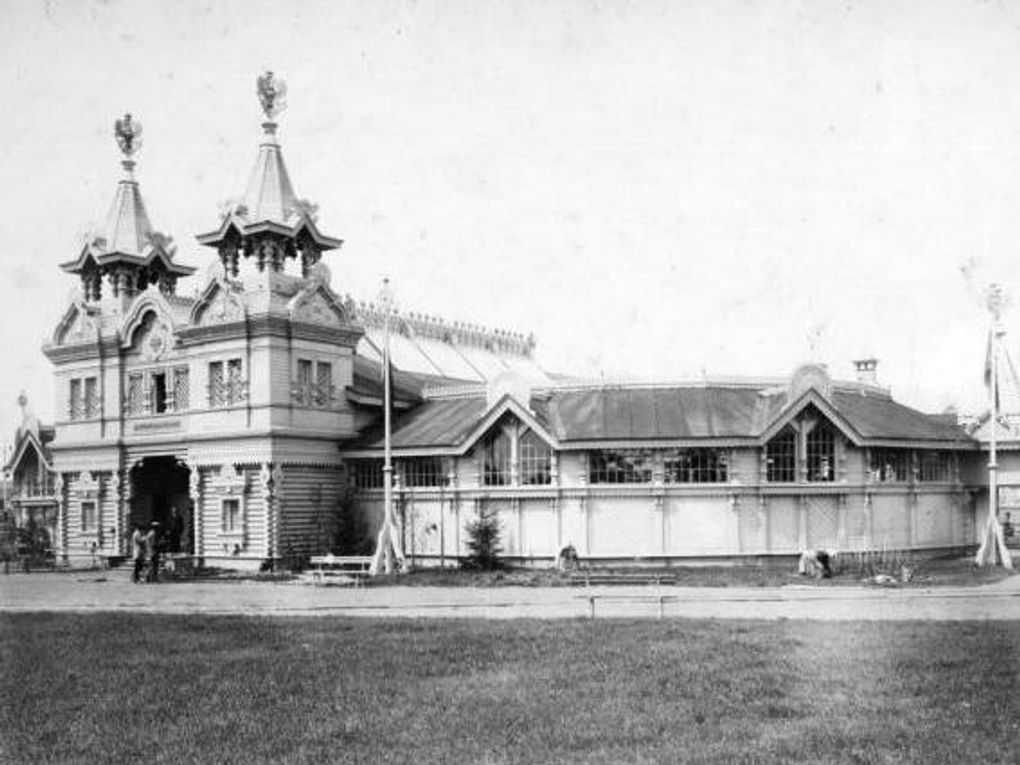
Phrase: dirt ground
(113, 591)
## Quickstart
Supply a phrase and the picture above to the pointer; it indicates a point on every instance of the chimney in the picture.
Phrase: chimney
(867, 371)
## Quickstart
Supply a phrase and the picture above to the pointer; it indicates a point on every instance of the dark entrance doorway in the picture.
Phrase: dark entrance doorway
(160, 493)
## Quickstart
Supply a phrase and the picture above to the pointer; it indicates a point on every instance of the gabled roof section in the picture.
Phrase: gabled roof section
(507, 404)
(811, 398)
(30, 440)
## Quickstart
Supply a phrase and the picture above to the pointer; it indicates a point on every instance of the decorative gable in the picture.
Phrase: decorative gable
(219, 303)
(148, 327)
(315, 302)
(76, 326)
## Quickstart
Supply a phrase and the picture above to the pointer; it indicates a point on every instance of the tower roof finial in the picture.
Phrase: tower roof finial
(272, 93)
(128, 132)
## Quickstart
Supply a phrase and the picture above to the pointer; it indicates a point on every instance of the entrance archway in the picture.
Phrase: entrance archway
(159, 492)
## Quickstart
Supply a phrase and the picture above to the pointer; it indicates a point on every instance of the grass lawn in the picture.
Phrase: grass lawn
(125, 688)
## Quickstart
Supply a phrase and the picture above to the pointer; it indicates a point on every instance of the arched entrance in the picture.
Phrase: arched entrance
(159, 492)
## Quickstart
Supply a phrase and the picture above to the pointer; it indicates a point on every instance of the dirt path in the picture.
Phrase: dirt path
(96, 591)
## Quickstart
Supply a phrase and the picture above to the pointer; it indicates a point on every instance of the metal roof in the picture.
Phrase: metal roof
(589, 415)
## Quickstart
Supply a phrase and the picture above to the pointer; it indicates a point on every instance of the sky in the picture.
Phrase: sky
(656, 190)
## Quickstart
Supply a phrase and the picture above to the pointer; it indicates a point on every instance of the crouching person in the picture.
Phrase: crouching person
(816, 563)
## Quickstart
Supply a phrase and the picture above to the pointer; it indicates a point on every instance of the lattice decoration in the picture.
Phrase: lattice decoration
(935, 513)
(823, 523)
(784, 525)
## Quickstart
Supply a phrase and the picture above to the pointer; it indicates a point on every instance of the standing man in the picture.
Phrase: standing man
(138, 552)
(175, 530)
(153, 542)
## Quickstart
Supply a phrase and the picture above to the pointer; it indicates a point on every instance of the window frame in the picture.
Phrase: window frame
(781, 465)
(367, 474)
(426, 472)
(89, 520)
(226, 383)
(497, 469)
(238, 520)
(620, 466)
(534, 459)
(695, 465)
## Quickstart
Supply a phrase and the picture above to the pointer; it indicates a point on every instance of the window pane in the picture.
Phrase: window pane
(935, 466)
(88, 516)
(136, 396)
(91, 397)
(235, 382)
(217, 391)
(423, 471)
(620, 466)
(890, 465)
(159, 392)
(367, 474)
(496, 459)
(696, 466)
(77, 403)
(231, 515)
(181, 389)
(535, 456)
(821, 454)
(323, 384)
(780, 457)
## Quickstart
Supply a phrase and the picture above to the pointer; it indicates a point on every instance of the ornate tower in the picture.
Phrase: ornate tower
(269, 223)
(128, 252)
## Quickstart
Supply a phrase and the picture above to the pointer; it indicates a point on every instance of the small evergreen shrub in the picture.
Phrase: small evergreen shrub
(483, 542)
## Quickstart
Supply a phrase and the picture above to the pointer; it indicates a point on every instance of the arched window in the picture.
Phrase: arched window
(534, 457)
(496, 456)
(821, 453)
(781, 457)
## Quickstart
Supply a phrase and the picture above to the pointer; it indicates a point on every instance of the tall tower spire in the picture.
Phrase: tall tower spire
(269, 223)
(128, 251)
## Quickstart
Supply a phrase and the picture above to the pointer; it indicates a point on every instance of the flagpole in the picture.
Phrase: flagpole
(992, 542)
(388, 550)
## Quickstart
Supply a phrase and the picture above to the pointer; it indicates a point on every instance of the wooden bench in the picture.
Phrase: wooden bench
(355, 567)
(590, 577)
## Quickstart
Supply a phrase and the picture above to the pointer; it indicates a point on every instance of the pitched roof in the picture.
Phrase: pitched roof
(884, 419)
(579, 416)
(128, 235)
(433, 424)
(624, 413)
(269, 202)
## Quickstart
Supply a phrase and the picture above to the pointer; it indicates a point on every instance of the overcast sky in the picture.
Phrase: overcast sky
(656, 189)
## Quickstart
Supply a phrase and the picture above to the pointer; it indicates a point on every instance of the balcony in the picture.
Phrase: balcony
(24, 490)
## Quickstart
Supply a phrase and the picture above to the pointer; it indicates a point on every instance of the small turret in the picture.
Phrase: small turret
(129, 253)
(269, 223)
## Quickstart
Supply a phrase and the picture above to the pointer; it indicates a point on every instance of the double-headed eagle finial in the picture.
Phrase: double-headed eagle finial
(272, 93)
(128, 132)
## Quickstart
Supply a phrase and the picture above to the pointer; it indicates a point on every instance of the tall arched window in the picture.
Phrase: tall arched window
(821, 453)
(781, 457)
(534, 457)
(497, 452)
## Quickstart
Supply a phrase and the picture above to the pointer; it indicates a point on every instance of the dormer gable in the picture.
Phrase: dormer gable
(79, 324)
(148, 327)
(220, 302)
